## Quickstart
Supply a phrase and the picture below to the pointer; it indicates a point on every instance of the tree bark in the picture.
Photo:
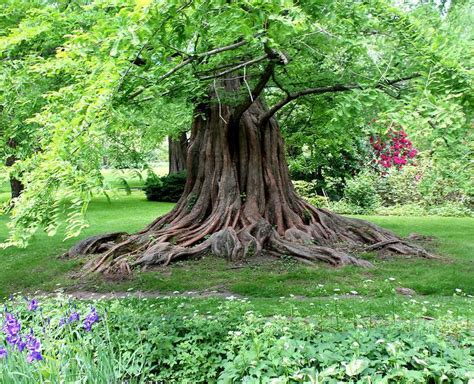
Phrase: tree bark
(239, 203)
(177, 153)
(16, 185)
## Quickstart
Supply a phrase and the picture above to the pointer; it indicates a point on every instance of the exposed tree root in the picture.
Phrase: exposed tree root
(334, 240)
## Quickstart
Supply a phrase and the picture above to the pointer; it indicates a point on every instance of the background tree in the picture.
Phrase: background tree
(235, 66)
(177, 149)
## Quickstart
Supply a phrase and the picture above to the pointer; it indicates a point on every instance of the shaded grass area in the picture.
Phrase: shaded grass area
(37, 267)
(114, 179)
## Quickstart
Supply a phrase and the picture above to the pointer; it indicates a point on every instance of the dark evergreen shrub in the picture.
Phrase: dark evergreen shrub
(165, 188)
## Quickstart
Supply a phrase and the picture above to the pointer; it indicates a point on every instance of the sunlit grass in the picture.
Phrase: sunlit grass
(38, 267)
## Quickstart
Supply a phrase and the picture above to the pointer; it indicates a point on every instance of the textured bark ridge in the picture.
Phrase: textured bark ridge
(239, 202)
(177, 153)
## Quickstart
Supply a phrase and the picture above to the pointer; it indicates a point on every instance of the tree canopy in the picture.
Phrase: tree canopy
(78, 75)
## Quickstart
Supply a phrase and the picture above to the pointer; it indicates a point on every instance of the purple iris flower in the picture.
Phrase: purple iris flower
(13, 339)
(21, 345)
(3, 353)
(34, 348)
(11, 327)
(32, 356)
(91, 319)
(74, 317)
(33, 305)
(32, 343)
(62, 321)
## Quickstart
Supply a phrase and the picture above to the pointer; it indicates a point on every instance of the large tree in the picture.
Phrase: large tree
(234, 66)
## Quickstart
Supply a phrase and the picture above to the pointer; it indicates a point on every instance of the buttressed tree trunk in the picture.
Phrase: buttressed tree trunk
(239, 202)
(16, 185)
(177, 153)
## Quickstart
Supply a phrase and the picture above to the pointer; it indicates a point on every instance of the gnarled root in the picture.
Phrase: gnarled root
(327, 237)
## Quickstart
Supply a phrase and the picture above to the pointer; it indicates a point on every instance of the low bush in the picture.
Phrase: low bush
(402, 210)
(407, 191)
(165, 188)
(306, 189)
(450, 209)
(361, 193)
(172, 340)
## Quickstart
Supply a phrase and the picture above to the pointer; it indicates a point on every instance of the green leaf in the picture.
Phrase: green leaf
(355, 367)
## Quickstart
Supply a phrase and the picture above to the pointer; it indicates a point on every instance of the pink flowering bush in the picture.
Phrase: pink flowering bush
(393, 149)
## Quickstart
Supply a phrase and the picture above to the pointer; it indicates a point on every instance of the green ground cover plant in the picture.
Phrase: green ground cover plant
(187, 340)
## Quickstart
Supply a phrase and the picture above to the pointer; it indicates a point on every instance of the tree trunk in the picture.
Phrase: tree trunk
(177, 153)
(16, 185)
(238, 203)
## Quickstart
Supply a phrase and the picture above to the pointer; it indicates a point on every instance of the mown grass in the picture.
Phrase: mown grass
(38, 268)
(130, 178)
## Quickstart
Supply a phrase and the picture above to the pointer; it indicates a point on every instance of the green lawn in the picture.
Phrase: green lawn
(38, 268)
(115, 179)
(119, 178)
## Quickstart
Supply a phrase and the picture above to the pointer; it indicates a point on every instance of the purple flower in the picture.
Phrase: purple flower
(13, 339)
(32, 343)
(74, 317)
(35, 355)
(21, 344)
(91, 319)
(33, 305)
(11, 326)
(62, 321)
(34, 348)
(3, 353)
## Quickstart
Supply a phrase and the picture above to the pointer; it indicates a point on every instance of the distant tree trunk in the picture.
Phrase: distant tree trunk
(239, 202)
(15, 184)
(177, 153)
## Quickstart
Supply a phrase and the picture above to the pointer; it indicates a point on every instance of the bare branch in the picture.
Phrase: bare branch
(189, 60)
(329, 89)
(241, 65)
(195, 57)
(177, 68)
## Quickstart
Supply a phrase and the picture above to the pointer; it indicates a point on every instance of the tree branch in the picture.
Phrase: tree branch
(195, 57)
(329, 89)
(262, 82)
(189, 60)
(241, 65)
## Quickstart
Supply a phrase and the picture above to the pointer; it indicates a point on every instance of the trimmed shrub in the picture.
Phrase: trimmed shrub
(165, 188)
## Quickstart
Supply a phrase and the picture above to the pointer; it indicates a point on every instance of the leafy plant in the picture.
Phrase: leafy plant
(165, 188)
(361, 192)
(175, 340)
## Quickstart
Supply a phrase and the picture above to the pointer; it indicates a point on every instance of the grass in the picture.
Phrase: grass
(133, 178)
(38, 268)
